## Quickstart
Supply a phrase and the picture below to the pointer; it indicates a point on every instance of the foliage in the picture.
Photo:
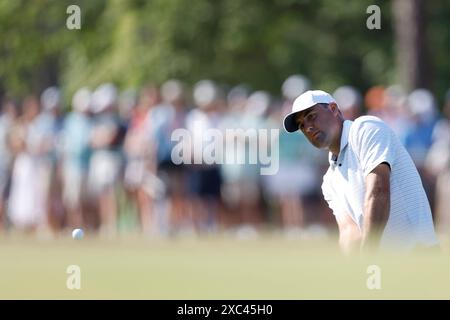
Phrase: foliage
(134, 42)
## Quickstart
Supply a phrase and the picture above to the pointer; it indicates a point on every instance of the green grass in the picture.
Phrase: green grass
(211, 268)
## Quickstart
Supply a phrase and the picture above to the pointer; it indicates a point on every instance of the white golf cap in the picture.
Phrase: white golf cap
(305, 101)
(51, 98)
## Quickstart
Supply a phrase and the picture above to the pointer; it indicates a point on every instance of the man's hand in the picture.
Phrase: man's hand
(349, 234)
(376, 205)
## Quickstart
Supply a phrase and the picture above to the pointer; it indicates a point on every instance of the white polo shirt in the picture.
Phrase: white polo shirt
(366, 143)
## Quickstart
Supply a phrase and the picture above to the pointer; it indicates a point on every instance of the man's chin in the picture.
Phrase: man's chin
(319, 144)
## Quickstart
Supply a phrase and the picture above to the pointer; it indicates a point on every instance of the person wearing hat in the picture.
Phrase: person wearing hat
(372, 185)
(75, 153)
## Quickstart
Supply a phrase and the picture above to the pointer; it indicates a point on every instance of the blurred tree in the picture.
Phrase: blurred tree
(133, 42)
(410, 36)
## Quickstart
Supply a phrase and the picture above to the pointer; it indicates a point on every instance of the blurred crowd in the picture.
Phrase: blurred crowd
(110, 152)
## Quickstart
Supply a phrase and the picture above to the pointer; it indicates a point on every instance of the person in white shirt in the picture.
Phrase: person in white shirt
(372, 185)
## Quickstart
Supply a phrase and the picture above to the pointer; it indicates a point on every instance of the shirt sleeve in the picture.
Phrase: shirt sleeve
(374, 143)
(332, 202)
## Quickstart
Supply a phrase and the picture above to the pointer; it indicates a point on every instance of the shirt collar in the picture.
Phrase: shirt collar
(344, 139)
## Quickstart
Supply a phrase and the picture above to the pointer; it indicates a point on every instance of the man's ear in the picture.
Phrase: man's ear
(334, 108)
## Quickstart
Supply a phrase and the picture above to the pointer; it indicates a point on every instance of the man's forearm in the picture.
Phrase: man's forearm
(376, 214)
(376, 205)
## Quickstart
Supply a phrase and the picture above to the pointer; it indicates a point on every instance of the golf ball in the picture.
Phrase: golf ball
(77, 234)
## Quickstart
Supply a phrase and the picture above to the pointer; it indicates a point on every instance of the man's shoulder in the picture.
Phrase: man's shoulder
(368, 120)
(367, 124)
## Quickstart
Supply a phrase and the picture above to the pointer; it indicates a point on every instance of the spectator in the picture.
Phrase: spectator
(75, 156)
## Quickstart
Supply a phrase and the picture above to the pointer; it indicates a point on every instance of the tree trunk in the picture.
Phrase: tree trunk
(410, 40)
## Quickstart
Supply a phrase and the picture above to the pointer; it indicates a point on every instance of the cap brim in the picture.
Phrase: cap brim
(289, 122)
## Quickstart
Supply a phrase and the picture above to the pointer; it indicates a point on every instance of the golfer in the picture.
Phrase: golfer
(372, 184)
